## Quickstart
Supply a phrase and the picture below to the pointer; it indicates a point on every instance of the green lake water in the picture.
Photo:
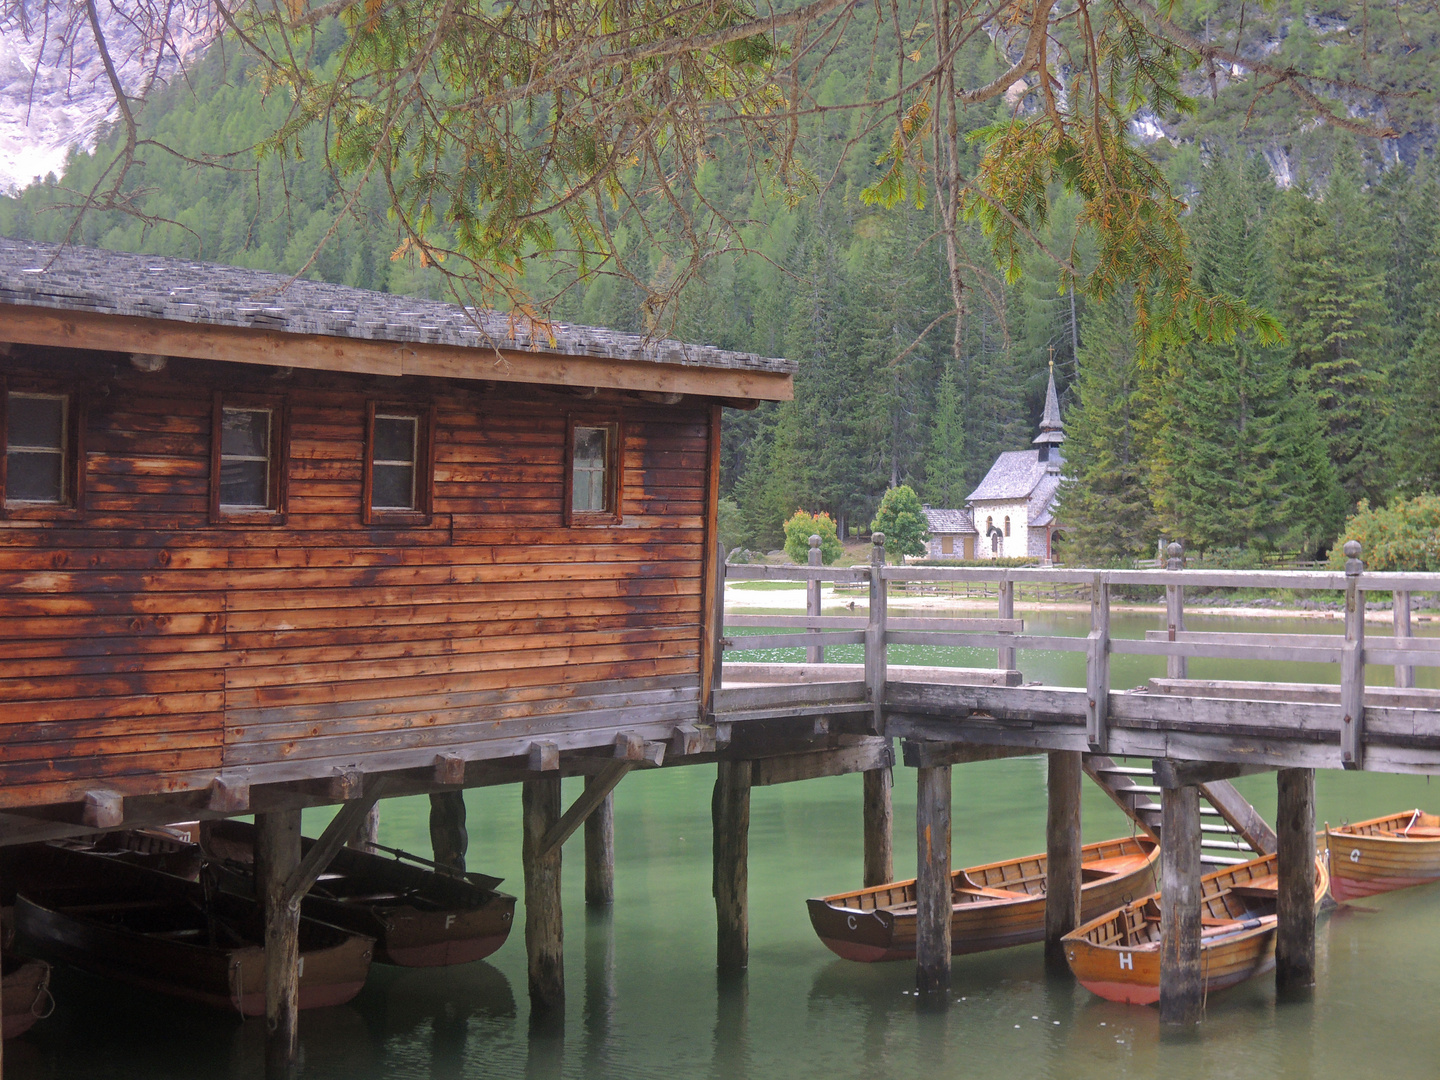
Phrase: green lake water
(643, 1000)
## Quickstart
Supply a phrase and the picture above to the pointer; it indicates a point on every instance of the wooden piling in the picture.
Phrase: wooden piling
(544, 921)
(814, 654)
(1062, 856)
(1352, 664)
(600, 852)
(277, 854)
(879, 827)
(1295, 855)
(932, 885)
(875, 652)
(369, 831)
(730, 818)
(1182, 988)
(448, 838)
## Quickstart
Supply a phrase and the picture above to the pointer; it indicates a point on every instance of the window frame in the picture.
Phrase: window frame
(72, 504)
(614, 465)
(423, 511)
(279, 479)
(1007, 524)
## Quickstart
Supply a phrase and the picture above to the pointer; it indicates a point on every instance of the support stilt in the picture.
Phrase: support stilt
(1182, 988)
(448, 838)
(369, 831)
(1062, 856)
(730, 817)
(1295, 930)
(932, 885)
(600, 852)
(879, 827)
(277, 854)
(544, 922)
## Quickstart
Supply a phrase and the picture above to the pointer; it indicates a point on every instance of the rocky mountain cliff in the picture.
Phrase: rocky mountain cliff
(53, 90)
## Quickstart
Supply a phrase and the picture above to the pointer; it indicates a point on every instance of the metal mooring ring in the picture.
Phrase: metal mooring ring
(1355, 854)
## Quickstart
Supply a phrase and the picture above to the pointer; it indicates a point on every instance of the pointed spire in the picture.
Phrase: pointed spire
(1052, 428)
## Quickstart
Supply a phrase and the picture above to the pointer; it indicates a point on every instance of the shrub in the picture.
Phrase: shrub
(902, 520)
(801, 526)
(1403, 536)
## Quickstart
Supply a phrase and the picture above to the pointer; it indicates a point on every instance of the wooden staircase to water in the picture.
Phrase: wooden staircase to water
(1232, 831)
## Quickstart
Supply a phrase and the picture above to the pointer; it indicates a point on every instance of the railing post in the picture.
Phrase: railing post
(875, 634)
(1097, 667)
(1005, 658)
(814, 654)
(1176, 667)
(1404, 673)
(1352, 664)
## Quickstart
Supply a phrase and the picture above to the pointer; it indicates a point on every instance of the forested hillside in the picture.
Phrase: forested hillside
(1233, 445)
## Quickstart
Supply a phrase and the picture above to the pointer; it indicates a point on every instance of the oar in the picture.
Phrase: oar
(482, 880)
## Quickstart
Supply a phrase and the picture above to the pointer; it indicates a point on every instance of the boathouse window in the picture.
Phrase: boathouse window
(41, 473)
(247, 459)
(593, 477)
(398, 464)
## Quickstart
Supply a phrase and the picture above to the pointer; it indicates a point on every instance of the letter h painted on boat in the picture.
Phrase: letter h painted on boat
(1127, 961)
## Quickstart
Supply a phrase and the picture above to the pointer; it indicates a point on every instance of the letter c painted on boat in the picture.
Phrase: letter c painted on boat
(850, 922)
(1355, 854)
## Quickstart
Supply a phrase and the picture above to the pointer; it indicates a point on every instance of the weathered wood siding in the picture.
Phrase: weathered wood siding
(144, 649)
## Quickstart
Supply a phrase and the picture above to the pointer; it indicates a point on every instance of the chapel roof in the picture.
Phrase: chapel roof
(948, 521)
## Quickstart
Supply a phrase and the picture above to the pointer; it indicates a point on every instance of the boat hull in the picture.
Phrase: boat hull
(1363, 862)
(1111, 957)
(24, 995)
(164, 934)
(450, 921)
(886, 931)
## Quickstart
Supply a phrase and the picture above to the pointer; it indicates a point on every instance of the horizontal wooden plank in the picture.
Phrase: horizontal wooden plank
(751, 642)
(988, 641)
(1235, 649)
(817, 622)
(759, 572)
(865, 755)
(743, 698)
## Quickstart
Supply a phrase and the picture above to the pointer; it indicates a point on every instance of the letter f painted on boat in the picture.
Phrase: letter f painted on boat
(1127, 961)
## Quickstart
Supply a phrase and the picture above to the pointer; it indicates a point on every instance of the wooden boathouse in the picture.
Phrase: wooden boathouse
(269, 544)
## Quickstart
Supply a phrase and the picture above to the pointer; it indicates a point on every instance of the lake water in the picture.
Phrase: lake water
(643, 999)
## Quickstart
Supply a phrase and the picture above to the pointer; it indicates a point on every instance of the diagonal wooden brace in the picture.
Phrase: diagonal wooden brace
(594, 794)
(341, 828)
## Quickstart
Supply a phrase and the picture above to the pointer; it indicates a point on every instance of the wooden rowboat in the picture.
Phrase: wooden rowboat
(1383, 854)
(165, 934)
(24, 994)
(417, 916)
(993, 906)
(1117, 955)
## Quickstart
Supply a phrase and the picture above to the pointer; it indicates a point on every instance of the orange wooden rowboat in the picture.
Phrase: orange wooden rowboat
(1118, 955)
(994, 906)
(1383, 854)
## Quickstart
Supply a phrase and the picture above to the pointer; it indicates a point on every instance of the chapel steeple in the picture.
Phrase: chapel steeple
(1052, 428)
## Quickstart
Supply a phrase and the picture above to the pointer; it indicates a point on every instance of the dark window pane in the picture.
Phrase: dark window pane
(393, 488)
(244, 483)
(590, 447)
(245, 433)
(395, 438)
(589, 490)
(32, 477)
(36, 421)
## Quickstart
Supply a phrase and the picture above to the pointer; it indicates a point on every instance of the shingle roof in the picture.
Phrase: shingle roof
(949, 521)
(1042, 499)
(1014, 475)
(185, 290)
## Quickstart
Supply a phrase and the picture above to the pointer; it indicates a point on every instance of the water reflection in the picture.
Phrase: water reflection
(732, 1024)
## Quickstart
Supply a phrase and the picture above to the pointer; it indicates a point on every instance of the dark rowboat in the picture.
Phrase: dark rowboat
(418, 917)
(165, 934)
(1117, 956)
(1383, 854)
(993, 906)
(24, 994)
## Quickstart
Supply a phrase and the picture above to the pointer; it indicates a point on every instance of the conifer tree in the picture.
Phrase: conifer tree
(945, 465)
(1332, 295)
(1104, 506)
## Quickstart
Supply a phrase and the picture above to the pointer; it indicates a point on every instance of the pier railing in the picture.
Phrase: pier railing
(1401, 714)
